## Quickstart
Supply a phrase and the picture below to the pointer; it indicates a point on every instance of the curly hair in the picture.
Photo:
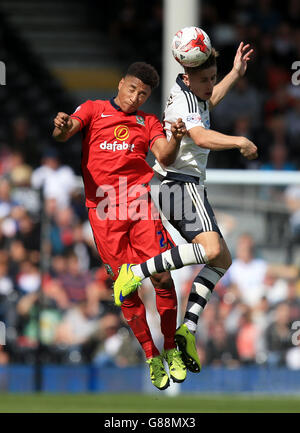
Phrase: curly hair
(144, 72)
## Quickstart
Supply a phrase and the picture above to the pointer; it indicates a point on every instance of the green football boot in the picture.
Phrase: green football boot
(125, 284)
(177, 369)
(158, 374)
(187, 345)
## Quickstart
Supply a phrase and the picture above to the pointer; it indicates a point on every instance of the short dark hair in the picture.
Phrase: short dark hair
(211, 61)
(144, 72)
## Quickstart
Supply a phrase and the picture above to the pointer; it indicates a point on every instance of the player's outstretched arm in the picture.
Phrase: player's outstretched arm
(65, 127)
(166, 151)
(213, 140)
(242, 57)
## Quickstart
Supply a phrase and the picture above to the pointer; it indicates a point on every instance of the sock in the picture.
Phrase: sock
(175, 258)
(166, 304)
(200, 293)
(135, 314)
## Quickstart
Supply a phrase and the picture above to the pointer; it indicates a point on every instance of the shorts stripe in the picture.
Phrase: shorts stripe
(201, 204)
(197, 195)
(198, 208)
(176, 258)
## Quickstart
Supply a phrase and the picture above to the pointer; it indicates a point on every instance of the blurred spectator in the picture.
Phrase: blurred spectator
(292, 201)
(74, 281)
(116, 347)
(6, 202)
(265, 16)
(21, 137)
(62, 228)
(221, 349)
(246, 275)
(29, 278)
(293, 125)
(279, 102)
(58, 180)
(47, 310)
(279, 159)
(76, 330)
(278, 335)
(246, 338)
(8, 297)
(243, 100)
(4, 357)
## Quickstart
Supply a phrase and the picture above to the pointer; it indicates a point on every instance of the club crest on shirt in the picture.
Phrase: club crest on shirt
(140, 120)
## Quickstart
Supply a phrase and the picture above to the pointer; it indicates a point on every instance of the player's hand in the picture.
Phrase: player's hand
(242, 57)
(248, 149)
(63, 122)
(178, 129)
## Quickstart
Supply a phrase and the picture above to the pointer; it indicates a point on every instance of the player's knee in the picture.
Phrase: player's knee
(162, 281)
(213, 252)
(220, 258)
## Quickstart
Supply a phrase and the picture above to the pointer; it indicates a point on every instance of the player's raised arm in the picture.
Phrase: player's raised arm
(166, 151)
(65, 127)
(242, 57)
(214, 140)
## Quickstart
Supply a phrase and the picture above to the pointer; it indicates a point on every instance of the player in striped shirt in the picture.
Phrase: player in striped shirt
(183, 196)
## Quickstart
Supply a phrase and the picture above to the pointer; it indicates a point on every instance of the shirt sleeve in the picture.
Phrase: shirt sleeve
(184, 106)
(155, 130)
(84, 113)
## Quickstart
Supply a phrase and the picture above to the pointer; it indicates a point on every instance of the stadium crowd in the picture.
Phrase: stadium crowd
(249, 317)
(248, 320)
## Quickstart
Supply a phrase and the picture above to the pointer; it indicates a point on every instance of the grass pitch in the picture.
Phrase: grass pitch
(140, 403)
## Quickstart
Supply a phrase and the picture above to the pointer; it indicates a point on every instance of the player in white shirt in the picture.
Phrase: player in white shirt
(183, 197)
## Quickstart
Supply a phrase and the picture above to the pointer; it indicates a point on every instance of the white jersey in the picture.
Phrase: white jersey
(191, 159)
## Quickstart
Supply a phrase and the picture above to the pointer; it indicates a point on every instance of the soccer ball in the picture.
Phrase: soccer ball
(191, 46)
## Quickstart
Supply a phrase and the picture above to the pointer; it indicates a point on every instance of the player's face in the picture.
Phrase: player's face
(202, 82)
(132, 94)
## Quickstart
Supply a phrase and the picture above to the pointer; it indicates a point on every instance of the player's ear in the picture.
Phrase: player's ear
(186, 79)
(121, 83)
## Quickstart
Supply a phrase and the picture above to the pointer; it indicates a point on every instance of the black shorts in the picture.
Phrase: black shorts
(185, 205)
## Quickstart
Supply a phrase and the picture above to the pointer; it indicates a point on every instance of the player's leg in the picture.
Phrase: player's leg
(166, 304)
(147, 238)
(219, 260)
(112, 242)
(208, 277)
(175, 202)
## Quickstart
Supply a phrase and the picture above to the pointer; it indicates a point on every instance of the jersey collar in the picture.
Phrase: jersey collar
(184, 87)
(117, 107)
